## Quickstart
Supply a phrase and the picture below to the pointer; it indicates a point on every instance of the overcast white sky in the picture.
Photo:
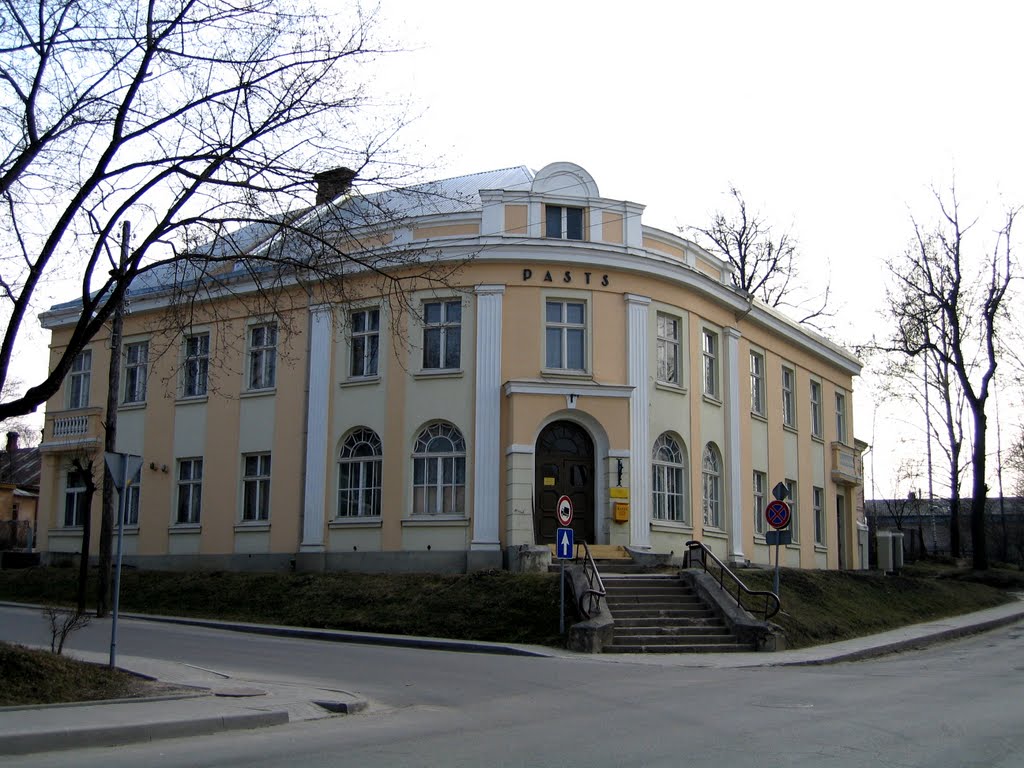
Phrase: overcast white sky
(834, 119)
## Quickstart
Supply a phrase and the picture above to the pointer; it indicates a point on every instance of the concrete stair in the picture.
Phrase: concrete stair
(657, 613)
(609, 558)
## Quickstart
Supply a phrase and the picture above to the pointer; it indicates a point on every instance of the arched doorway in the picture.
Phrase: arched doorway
(564, 466)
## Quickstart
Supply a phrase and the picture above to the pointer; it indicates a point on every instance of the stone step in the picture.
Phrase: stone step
(601, 552)
(680, 614)
(658, 592)
(671, 624)
(670, 631)
(681, 648)
(652, 606)
(705, 639)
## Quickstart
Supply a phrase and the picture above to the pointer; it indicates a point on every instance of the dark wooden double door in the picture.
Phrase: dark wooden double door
(564, 458)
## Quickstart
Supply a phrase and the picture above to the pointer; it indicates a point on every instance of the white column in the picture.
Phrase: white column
(320, 333)
(487, 462)
(637, 333)
(733, 445)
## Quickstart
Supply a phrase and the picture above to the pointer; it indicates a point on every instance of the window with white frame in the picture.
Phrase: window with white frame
(256, 487)
(132, 500)
(788, 397)
(365, 324)
(78, 380)
(442, 335)
(359, 474)
(711, 473)
(760, 483)
(794, 521)
(816, 423)
(74, 498)
(709, 345)
(668, 349)
(757, 383)
(439, 471)
(564, 222)
(190, 491)
(197, 365)
(136, 371)
(841, 417)
(565, 335)
(263, 356)
(669, 481)
(818, 500)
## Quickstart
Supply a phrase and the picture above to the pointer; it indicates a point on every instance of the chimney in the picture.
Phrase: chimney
(12, 442)
(330, 185)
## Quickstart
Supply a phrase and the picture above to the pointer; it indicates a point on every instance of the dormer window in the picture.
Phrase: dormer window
(563, 222)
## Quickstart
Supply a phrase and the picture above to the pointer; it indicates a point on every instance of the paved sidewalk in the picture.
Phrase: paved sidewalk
(220, 703)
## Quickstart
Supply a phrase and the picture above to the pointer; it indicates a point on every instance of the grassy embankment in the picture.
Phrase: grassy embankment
(818, 607)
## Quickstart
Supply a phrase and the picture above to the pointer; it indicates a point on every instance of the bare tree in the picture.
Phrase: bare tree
(764, 260)
(63, 622)
(197, 120)
(950, 308)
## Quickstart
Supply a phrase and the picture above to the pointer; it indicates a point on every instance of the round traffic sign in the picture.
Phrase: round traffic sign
(777, 514)
(564, 511)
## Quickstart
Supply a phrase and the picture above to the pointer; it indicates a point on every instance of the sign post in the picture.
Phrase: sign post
(564, 546)
(124, 469)
(778, 515)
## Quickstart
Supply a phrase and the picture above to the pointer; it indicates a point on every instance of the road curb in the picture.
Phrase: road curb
(119, 735)
(923, 641)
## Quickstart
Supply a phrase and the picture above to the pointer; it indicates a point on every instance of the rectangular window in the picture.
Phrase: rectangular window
(190, 491)
(74, 499)
(365, 342)
(565, 335)
(442, 334)
(816, 408)
(841, 417)
(136, 371)
(818, 499)
(197, 365)
(78, 380)
(710, 355)
(788, 397)
(760, 482)
(263, 356)
(563, 222)
(133, 497)
(668, 349)
(256, 488)
(794, 521)
(757, 383)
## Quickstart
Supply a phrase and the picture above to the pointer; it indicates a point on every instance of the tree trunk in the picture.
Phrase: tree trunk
(979, 490)
(83, 563)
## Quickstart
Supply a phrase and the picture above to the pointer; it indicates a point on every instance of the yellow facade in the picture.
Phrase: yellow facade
(575, 351)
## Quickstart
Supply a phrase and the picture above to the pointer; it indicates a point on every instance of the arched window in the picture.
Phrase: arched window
(669, 481)
(359, 474)
(439, 471)
(711, 466)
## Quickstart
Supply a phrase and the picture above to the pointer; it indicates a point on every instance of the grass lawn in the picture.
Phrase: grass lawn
(817, 607)
(39, 677)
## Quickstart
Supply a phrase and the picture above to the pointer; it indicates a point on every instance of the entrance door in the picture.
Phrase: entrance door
(564, 466)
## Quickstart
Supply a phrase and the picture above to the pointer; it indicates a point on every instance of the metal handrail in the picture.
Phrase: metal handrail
(771, 600)
(590, 601)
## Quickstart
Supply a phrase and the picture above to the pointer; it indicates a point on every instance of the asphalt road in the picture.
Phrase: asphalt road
(959, 704)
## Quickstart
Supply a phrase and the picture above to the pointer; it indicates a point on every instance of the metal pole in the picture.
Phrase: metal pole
(775, 581)
(561, 600)
(122, 493)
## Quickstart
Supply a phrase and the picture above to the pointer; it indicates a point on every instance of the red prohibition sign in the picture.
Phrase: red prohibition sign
(777, 514)
(564, 511)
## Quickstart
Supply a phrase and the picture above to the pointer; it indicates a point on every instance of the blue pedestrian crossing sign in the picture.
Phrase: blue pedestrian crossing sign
(564, 543)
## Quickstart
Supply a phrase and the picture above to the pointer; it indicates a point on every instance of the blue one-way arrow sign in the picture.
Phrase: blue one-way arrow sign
(565, 543)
